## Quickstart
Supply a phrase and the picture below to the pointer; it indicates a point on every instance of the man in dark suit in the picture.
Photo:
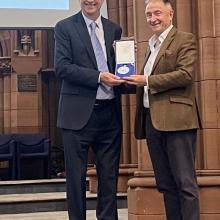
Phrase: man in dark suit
(89, 108)
(166, 111)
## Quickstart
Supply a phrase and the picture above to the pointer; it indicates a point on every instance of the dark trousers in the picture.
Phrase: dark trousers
(103, 134)
(173, 158)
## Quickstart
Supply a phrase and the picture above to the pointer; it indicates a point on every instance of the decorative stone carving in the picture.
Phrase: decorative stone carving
(5, 65)
(25, 43)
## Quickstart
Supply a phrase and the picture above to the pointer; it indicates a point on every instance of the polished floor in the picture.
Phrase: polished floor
(123, 215)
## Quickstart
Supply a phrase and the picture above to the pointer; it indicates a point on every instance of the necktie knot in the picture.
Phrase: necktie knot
(93, 26)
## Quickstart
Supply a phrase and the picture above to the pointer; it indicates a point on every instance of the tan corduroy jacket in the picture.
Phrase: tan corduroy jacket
(171, 86)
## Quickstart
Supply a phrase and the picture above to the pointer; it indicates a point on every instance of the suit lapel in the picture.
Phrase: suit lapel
(164, 46)
(145, 60)
(84, 35)
(108, 41)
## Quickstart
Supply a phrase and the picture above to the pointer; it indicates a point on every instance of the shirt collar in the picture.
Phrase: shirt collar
(88, 21)
(161, 38)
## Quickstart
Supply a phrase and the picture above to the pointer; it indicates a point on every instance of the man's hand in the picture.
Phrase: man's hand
(110, 79)
(137, 80)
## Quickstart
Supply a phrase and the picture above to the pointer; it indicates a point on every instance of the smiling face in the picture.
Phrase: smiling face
(159, 16)
(91, 8)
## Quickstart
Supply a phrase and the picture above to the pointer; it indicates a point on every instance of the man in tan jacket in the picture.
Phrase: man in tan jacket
(166, 111)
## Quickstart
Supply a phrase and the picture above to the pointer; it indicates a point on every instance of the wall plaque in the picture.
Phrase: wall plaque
(27, 83)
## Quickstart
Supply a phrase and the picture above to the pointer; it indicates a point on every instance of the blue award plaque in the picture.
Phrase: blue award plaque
(125, 58)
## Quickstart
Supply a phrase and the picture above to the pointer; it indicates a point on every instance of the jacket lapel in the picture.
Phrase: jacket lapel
(164, 46)
(145, 60)
(108, 41)
(84, 35)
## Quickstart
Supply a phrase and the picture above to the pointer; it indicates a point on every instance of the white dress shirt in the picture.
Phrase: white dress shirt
(154, 45)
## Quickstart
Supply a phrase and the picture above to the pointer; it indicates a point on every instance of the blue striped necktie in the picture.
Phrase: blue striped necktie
(103, 90)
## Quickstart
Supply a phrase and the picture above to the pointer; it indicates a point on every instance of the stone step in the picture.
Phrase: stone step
(46, 202)
(62, 215)
(32, 186)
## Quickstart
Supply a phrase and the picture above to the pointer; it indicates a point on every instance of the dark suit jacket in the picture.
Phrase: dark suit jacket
(171, 86)
(76, 66)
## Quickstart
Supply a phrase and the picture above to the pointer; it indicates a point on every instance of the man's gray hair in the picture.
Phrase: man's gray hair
(166, 2)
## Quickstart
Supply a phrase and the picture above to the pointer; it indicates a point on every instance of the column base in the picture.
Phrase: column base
(146, 203)
(126, 172)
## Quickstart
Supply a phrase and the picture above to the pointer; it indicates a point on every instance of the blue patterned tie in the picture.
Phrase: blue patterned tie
(104, 91)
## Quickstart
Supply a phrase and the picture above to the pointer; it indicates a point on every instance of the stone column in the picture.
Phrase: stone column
(208, 33)
(121, 12)
(141, 199)
(201, 18)
(5, 70)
